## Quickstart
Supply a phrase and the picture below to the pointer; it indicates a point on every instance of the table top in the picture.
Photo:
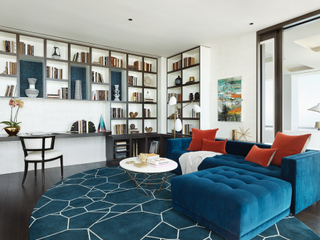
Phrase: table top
(148, 169)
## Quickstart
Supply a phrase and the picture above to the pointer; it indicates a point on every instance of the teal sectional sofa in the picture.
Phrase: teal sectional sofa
(302, 170)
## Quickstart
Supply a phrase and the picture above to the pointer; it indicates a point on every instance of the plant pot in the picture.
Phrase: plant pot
(12, 131)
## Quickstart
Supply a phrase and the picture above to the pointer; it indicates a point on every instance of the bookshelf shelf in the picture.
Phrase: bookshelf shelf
(186, 65)
(80, 62)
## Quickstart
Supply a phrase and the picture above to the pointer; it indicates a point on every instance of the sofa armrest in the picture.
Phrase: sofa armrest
(303, 172)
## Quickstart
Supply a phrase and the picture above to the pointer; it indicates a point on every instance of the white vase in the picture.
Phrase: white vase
(116, 93)
(32, 92)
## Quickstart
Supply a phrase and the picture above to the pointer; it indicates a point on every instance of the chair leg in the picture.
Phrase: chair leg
(43, 176)
(61, 165)
(35, 169)
(25, 172)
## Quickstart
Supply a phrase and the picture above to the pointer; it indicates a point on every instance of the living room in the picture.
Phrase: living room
(233, 53)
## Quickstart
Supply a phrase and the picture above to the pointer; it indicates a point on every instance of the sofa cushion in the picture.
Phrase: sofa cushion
(288, 145)
(214, 146)
(239, 162)
(261, 156)
(198, 135)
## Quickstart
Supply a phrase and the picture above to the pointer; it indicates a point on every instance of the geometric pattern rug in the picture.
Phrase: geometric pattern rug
(103, 204)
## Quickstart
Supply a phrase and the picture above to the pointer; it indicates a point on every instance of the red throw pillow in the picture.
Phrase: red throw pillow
(214, 146)
(288, 145)
(198, 135)
(261, 156)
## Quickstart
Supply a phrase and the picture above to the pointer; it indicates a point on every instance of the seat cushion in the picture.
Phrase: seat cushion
(49, 154)
(237, 161)
(234, 203)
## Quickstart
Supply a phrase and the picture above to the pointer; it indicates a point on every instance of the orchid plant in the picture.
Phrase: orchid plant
(14, 120)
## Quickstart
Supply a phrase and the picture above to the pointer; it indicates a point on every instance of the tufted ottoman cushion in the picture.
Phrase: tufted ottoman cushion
(234, 203)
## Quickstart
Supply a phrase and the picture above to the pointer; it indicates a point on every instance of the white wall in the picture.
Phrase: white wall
(39, 115)
(232, 58)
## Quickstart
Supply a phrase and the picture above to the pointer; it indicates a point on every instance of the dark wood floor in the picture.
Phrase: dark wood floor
(17, 201)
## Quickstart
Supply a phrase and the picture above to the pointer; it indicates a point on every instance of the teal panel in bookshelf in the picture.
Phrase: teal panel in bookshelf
(79, 73)
(31, 70)
(115, 80)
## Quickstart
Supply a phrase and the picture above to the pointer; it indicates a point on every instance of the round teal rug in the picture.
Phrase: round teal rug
(103, 204)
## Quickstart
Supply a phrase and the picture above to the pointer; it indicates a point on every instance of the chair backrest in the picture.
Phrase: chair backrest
(37, 143)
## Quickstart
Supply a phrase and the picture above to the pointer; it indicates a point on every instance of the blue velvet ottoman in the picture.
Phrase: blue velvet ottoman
(234, 203)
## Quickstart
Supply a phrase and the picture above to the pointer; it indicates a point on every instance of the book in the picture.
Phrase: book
(121, 143)
(153, 156)
(160, 162)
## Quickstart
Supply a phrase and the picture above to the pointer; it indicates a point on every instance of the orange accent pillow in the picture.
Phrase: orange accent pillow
(198, 135)
(261, 156)
(214, 146)
(288, 145)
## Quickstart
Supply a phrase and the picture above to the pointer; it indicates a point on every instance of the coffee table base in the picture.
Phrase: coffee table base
(148, 182)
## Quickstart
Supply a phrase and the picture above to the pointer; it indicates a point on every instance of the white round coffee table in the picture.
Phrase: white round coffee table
(147, 178)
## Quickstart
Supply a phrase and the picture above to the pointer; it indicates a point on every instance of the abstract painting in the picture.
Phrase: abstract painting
(229, 99)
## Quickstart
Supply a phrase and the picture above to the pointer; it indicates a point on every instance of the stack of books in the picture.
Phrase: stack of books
(159, 162)
(120, 149)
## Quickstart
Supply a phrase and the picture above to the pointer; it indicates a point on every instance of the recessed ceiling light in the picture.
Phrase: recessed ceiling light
(251, 23)
(130, 19)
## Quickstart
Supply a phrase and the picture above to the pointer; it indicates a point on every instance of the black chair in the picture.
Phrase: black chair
(39, 149)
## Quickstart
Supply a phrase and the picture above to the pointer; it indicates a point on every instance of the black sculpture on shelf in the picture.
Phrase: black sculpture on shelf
(197, 96)
(178, 81)
(191, 96)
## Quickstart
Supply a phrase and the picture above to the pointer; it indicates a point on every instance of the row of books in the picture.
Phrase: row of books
(83, 126)
(53, 72)
(147, 67)
(61, 94)
(117, 113)
(135, 147)
(188, 61)
(83, 57)
(102, 61)
(26, 49)
(10, 68)
(136, 97)
(146, 113)
(97, 77)
(100, 95)
(120, 129)
(9, 46)
(194, 114)
(188, 129)
(120, 149)
(116, 62)
(177, 95)
(177, 65)
(133, 81)
(10, 91)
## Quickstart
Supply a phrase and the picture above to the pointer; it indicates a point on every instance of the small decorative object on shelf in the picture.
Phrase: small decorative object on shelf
(132, 126)
(116, 93)
(78, 91)
(147, 81)
(55, 52)
(234, 134)
(191, 80)
(191, 96)
(148, 98)
(197, 96)
(148, 129)
(101, 127)
(178, 81)
(32, 92)
(244, 134)
(133, 115)
(13, 125)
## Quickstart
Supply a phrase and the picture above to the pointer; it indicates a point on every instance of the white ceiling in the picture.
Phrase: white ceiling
(160, 28)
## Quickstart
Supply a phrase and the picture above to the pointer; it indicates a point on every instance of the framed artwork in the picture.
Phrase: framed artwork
(229, 99)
